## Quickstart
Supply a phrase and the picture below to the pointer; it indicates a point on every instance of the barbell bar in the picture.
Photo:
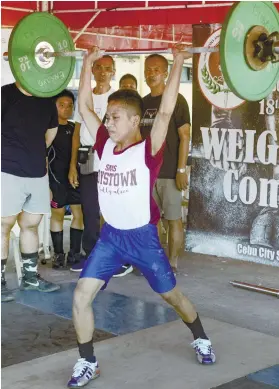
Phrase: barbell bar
(81, 53)
(42, 53)
(192, 50)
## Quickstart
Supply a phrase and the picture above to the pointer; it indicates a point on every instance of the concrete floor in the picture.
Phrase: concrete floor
(28, 333)
(205, 280)
(242, 325)
(159, 357)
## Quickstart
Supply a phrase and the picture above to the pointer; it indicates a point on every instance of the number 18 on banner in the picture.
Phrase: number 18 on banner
(268, 106)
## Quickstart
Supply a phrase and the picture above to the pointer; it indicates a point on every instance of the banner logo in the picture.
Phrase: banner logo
(211, 79)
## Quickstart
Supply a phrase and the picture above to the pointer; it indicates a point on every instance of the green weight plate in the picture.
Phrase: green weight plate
(41, 30)
(246, 83)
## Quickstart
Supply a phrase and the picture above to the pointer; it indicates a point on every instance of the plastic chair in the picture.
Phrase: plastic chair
(44, 235)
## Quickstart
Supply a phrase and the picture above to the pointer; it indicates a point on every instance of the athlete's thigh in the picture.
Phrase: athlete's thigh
(103, 262)
(144, 251)
(38, 201)
(158, 272)
(13, 194)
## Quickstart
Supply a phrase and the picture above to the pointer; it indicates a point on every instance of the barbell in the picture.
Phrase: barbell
(42, 55)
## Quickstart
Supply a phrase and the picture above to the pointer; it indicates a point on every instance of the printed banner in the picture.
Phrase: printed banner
(234, 192)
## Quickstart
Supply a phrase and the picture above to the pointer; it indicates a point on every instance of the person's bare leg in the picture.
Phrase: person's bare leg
(29, 237)
(83, 318)
(160, 231)
(29, 245)
(162, 228)
(86, 368)
(187, 312)
(175, 241)
(165, 225)
(7, 224)
(181, 305)
(56, 232)
(57, 219)
(76, 232)
(77, 221)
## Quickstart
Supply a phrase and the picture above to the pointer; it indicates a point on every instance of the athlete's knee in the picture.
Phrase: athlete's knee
(78, 217)
(173, 297)
(28, 221)
(77, 213)
(81, 300)
(7, 224)
(85, 293)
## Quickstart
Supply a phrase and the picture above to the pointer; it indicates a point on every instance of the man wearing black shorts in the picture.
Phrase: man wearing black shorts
(59, 158)
(29, 125)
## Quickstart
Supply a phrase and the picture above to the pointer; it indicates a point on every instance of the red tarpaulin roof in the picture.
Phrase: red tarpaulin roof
(151, 24)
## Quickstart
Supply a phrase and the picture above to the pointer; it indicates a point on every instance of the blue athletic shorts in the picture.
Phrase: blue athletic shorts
(140, 247)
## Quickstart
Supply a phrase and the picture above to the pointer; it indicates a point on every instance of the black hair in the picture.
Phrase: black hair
(165, 61)
(65, 93)
(126, 76)
(129, 97)
(106, 56)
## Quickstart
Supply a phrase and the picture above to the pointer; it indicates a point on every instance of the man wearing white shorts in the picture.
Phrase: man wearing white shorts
(29, 125)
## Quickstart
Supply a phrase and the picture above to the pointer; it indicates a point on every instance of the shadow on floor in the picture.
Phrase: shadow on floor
(28, 333)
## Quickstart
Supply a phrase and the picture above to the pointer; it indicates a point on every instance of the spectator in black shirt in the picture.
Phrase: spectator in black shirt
(59, 158)
(172, 178)
(29, 125)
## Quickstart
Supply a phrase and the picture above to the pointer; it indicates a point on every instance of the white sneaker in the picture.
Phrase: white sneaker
(83, 373)
(123, 271)
(204, 351)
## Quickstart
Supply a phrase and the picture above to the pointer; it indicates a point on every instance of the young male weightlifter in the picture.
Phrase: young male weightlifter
(128, 169)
